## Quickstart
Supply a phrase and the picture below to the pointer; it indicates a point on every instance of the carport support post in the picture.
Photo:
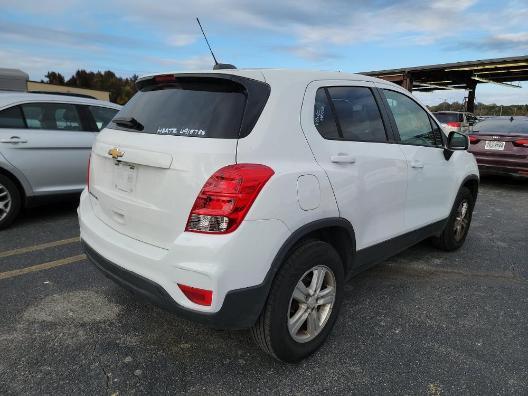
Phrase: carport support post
(407, 82)
(470, 104)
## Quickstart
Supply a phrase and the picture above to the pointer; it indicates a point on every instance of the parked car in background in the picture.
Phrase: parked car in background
(457, 121)
(246, 198)
(45, 141)
(500, 145)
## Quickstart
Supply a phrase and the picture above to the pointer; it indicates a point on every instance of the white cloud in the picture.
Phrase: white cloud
(181, 40)
(36, 66)
(202, 62)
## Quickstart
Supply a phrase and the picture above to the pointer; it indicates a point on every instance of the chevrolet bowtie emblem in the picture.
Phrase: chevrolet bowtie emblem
(116, 153)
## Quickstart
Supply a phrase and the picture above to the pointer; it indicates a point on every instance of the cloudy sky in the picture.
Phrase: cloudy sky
(133, 36)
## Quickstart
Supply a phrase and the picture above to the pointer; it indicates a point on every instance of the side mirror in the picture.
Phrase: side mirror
(455, 141)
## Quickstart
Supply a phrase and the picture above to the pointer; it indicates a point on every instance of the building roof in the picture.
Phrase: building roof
(459, 75)
(13, 79)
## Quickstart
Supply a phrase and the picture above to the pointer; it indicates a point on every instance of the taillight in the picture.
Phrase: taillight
(88, 172)
(454, 124)
(226, 197)
(473, 139)
(521, 143)
(196, 295)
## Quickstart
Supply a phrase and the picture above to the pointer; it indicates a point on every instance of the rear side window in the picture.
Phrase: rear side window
(102, 115)
(324, 119)
(413, 123)
(58, 116)
(204, 107)
(348, 113)
(12, 118)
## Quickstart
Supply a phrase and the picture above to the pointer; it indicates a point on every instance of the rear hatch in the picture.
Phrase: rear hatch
(501, 137)
(149, 164)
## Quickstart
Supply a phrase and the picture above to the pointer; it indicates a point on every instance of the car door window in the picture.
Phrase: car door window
(348, 113)
(412, 121)
(12, 118)
(102, 115)
(59, 116)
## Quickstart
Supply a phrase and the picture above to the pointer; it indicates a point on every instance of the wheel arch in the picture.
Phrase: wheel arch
(471, 182)
(335, 231)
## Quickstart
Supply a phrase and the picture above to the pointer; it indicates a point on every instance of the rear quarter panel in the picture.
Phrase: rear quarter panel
(278, 141)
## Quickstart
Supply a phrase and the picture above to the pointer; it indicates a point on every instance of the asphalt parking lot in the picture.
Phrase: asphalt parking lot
(424, 322)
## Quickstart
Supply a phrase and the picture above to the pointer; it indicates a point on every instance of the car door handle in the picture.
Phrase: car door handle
(342, 159)
(13, 140)
(417, 164)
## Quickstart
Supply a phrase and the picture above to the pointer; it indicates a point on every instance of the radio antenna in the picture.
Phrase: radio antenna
(217, 66)
(207, 41)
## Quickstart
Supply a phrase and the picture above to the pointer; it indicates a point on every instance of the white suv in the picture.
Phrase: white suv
(246, 198)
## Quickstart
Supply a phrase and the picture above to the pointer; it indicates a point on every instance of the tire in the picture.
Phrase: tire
(451, 237)
(10, 202)
(272, 332)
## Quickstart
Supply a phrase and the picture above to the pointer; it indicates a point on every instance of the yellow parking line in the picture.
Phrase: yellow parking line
(34, 248)
(43, 266)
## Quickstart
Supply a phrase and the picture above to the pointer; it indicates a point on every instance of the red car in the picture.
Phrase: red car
(500, 146)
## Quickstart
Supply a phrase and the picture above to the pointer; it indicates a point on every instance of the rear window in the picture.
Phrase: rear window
(201, 107)
(449, 117)
(517, 126)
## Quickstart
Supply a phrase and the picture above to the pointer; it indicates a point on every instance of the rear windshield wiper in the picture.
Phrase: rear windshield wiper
(128, 122)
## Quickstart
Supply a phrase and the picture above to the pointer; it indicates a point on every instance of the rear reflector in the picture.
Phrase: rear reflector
(521, 143)
(473, 139)
(226, 197)
(196, 295)
(454, 124)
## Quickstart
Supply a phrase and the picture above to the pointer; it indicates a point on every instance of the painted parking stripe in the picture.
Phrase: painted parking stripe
(35, 248)
(43, 266)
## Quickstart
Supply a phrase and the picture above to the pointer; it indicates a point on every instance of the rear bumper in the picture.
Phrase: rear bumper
(240, 310)
(501, 166)
(233, 266)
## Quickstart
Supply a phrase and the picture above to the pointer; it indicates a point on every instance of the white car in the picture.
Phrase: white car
(456, 121)
(246, 198)
(45, 141)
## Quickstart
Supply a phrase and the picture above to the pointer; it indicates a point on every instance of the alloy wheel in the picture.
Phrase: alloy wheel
(5, 202)
(311, 303)
(461, 220)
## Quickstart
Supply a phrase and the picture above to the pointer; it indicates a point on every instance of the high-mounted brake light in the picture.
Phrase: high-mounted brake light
(454, 124)
(226, 197)
(196, 295)
(164, 78)
(473, 139)
(521, 143)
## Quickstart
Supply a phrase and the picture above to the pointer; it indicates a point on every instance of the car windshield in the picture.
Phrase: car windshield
(448, 117)
(507, 125)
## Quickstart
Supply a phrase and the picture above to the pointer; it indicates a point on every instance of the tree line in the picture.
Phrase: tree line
(482, 109)
(121, 89)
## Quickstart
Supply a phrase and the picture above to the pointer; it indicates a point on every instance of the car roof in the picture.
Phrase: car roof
(8, 98)
(278, 76)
